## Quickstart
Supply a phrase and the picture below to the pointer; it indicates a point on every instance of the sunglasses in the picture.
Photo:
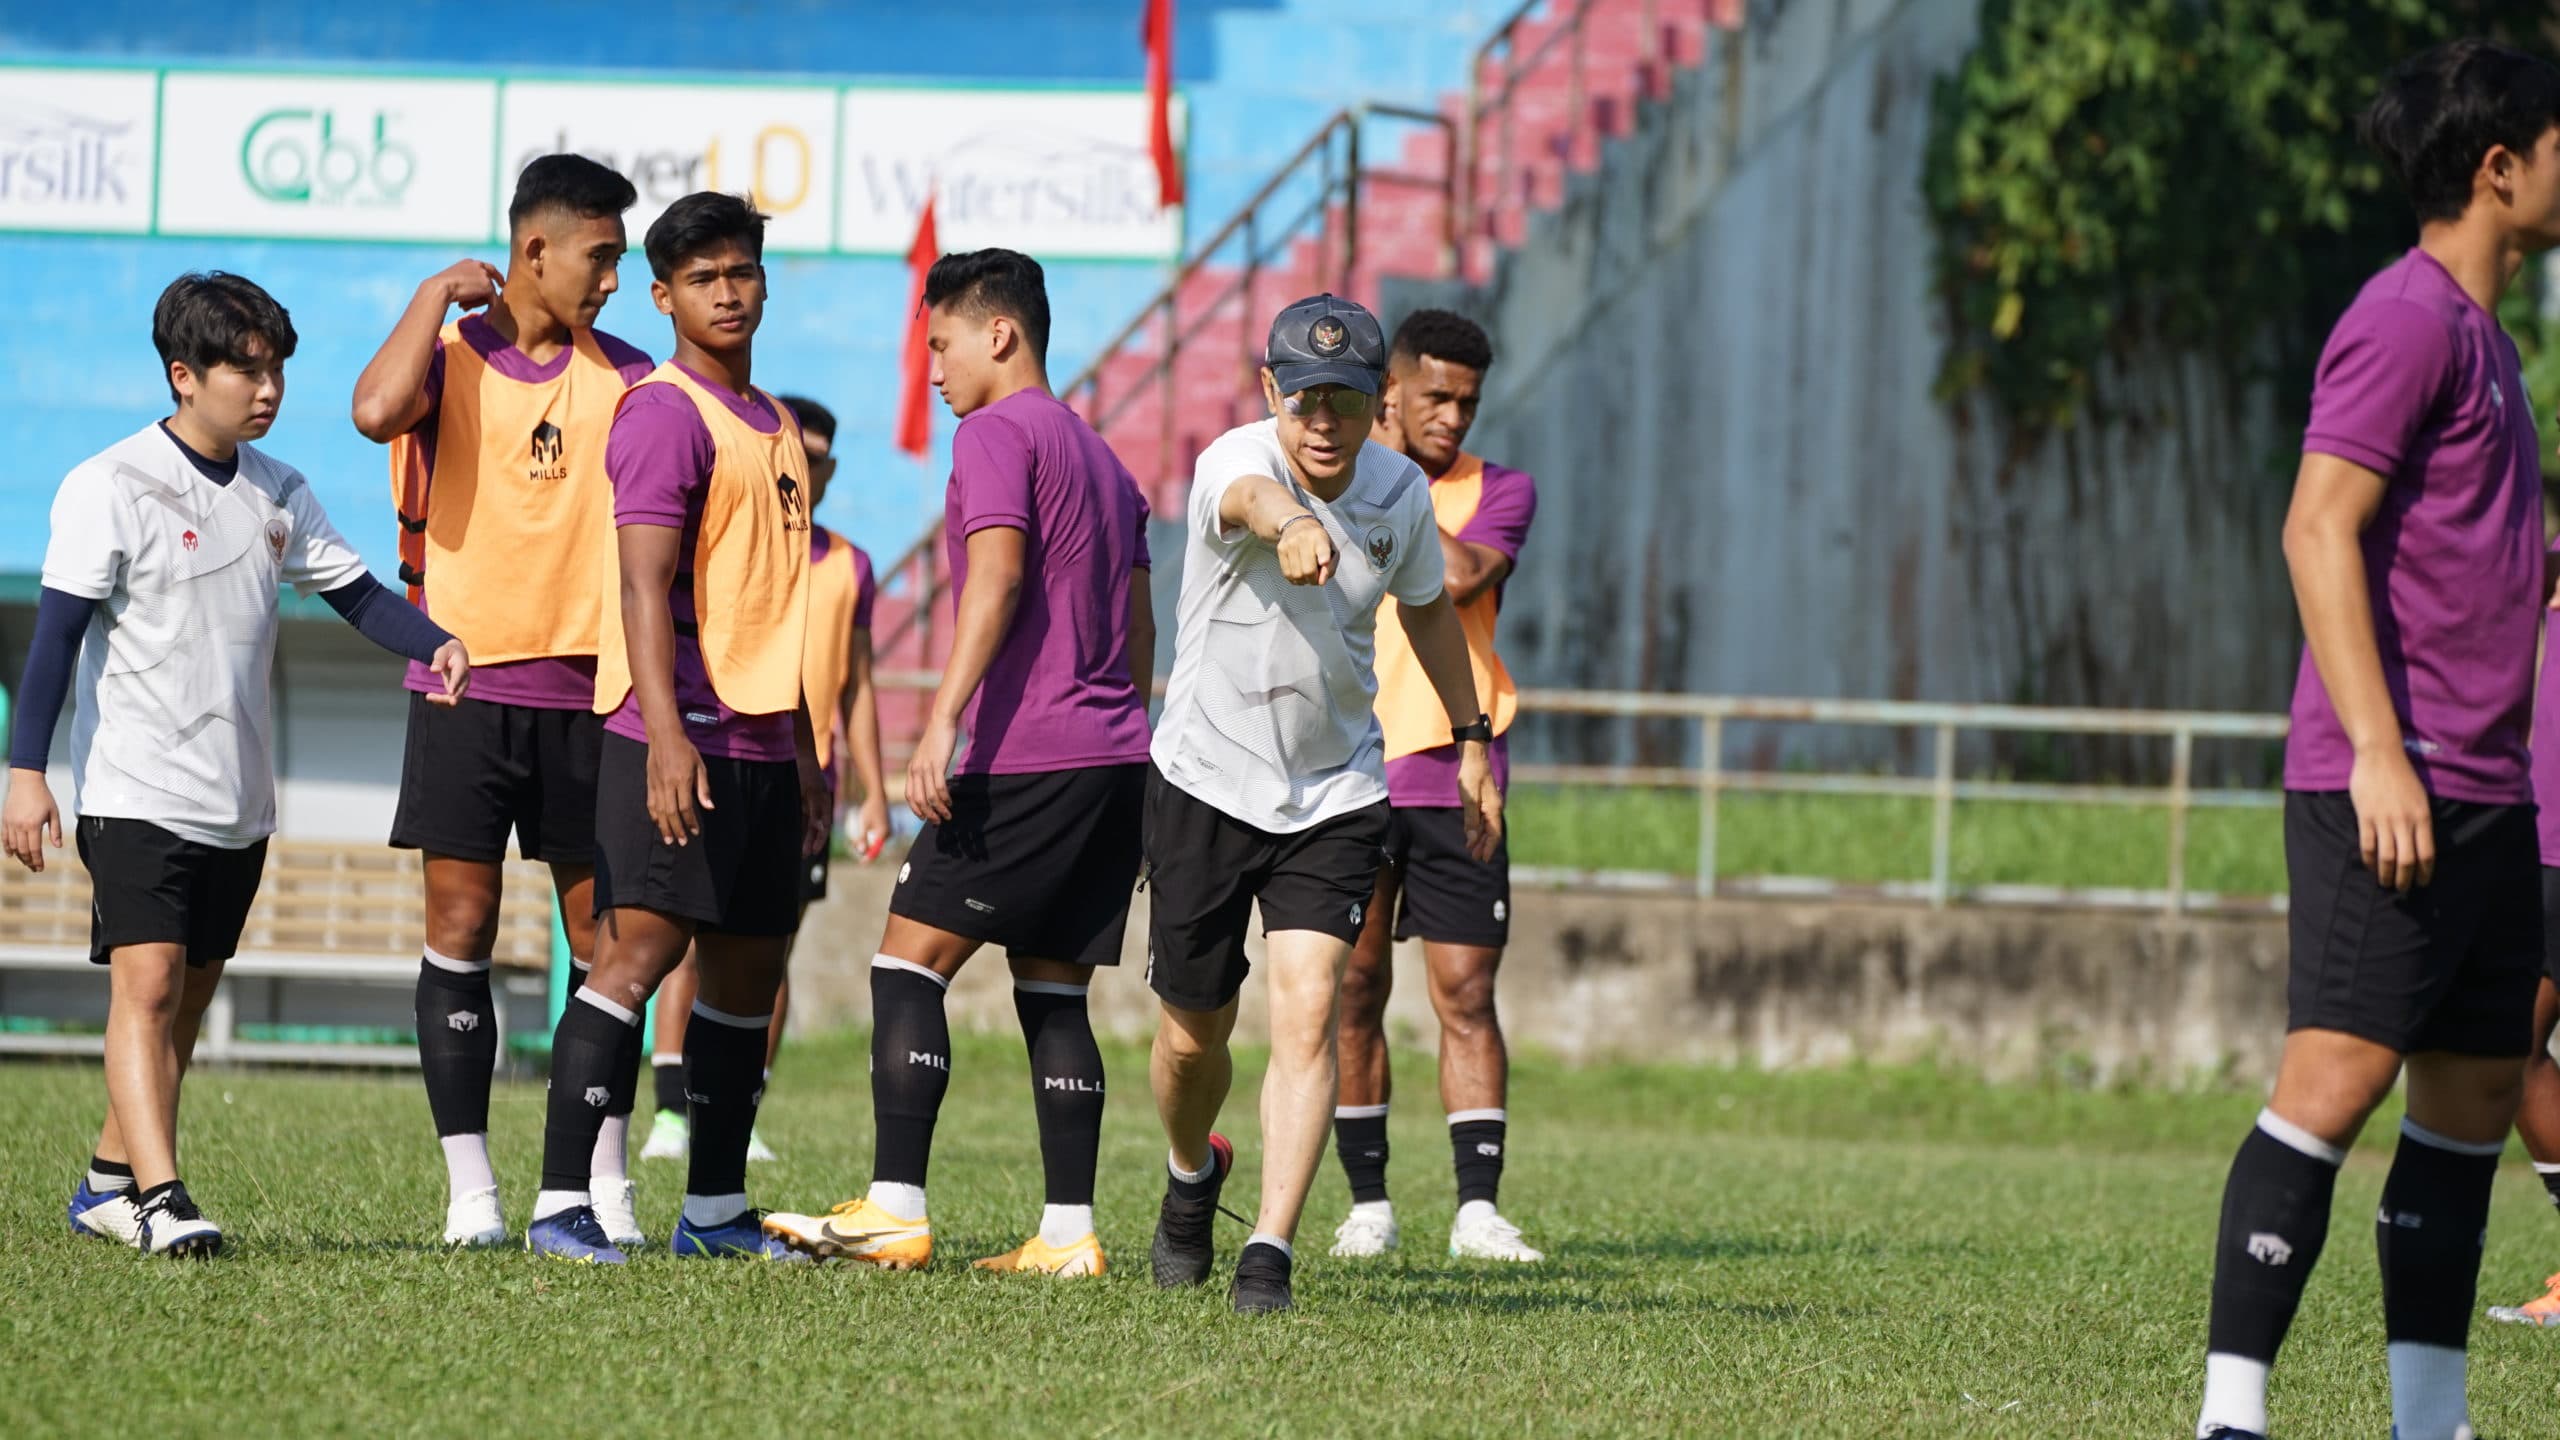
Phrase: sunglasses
(1349, 404)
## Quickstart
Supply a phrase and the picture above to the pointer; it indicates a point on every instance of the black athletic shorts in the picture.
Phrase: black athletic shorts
(149, 887)
(740, 876)
(1447, 895)
(474, 771)
(813, 875)
(1205, 870)
(1041, 864)
(2451, 965)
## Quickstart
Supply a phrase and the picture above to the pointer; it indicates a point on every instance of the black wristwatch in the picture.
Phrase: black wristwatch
(1481, 732)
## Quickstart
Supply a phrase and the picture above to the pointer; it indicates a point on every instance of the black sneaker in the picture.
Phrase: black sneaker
(1262, 1280)
(1184, 1247)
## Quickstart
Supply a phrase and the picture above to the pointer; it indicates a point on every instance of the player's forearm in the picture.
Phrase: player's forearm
(387, 620)
(391, 393)
(2326, 557)
(1142, 636)
(1261, 505)
(649, 635)
(1441, 646)
(987, 603)
(52, 654)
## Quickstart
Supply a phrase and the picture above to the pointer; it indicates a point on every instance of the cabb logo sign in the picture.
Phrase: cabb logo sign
(326, 156)
(304, 157)
(775, 143)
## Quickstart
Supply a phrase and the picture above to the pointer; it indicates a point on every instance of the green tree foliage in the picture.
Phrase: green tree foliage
(2104, 174)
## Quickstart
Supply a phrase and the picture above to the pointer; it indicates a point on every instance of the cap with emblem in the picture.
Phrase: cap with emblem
(1326, 340)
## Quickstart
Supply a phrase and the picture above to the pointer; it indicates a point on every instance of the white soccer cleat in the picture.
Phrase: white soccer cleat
(669, 1137)
(173, 1226)
(1485, 1235)
(758, 1152)
(1369, 1231)
(473, 1221)
(614, 1209)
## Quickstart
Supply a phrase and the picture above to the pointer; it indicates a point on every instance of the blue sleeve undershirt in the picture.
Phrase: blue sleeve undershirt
(387, 620)
(60, 618)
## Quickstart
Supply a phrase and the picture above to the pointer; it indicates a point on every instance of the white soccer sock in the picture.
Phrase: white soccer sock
(1383, 1209)
(1475, 1210)
(1265, 1237)
(904, 1201)
(1191, 1177)
(2235, 1394)
(1064, 1225)
(466, 1164)
(2430, 1396)
(103, 1184)
(552, 1202)
(611, 1160)
(707, 1210)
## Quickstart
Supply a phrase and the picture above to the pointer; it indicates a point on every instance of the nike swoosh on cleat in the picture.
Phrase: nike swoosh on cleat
(870, 1237)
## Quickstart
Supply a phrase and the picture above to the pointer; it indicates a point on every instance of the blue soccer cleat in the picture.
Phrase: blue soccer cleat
(742, 1238)
(110, 1216)
(573, 1234)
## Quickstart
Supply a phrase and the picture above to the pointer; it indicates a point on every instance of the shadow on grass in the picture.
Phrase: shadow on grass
(1692, 1246)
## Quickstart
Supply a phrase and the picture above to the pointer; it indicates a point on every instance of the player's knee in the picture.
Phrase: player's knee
(463, 924)
(1364, 996)
(1465, 1005)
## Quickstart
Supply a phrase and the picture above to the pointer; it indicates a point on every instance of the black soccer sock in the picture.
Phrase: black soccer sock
(626, 1073)
(1360, 1138)
(586, 1053)
(2550, 1182)
(910, 1069)
(2435, 1206)
(1475, 1142)
(457, 1042)
(1066, 1085)
(109, 1177)
(724, 1075)
(2275, 1218)
(668, 1073)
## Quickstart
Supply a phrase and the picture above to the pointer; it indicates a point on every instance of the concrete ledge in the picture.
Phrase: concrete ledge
(1773, 983)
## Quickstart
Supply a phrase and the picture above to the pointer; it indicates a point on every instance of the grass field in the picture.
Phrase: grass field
(1871, 1253)
(1871, 839)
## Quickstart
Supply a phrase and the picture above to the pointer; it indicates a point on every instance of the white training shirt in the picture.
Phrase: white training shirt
(173, 723)
(1270, 715)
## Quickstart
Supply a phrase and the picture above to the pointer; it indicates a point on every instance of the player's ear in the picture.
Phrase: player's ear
(182, 380)
(537, 246)
(662, 297)
(1001, 338)
(1270, 391)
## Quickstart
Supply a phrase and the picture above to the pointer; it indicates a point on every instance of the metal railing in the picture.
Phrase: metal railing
(1943, 787)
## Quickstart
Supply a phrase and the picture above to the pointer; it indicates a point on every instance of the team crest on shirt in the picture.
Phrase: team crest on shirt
(1381, 547)
(795, 514)
(546, 447)
(276, 534)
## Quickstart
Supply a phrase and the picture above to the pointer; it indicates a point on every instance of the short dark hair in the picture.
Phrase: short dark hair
(209, 318)
(696, 223)
(1443, 333)
(2439, 112)
(994, 282)
(583, 187)
(815, 419)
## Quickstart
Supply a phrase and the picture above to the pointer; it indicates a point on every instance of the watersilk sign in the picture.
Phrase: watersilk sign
(842, 169)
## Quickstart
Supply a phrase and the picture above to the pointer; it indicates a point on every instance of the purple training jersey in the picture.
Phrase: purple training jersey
(1057, 695)
(2419, 385)
(659, 457)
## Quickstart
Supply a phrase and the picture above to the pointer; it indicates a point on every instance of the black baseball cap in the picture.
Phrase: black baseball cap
(1326, 340)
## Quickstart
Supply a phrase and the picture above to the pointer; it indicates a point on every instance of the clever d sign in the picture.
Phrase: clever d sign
(842, 169)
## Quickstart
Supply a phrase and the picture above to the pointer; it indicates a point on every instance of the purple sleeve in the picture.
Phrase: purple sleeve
(61, 618)
(1138, 503)
(633, 362)
(1503, 512)
(2386, 366)
(866, 588)
(991, 471)
(659, 456)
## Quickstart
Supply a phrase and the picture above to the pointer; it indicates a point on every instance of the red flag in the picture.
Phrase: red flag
(915, 389)
(1158, 32)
